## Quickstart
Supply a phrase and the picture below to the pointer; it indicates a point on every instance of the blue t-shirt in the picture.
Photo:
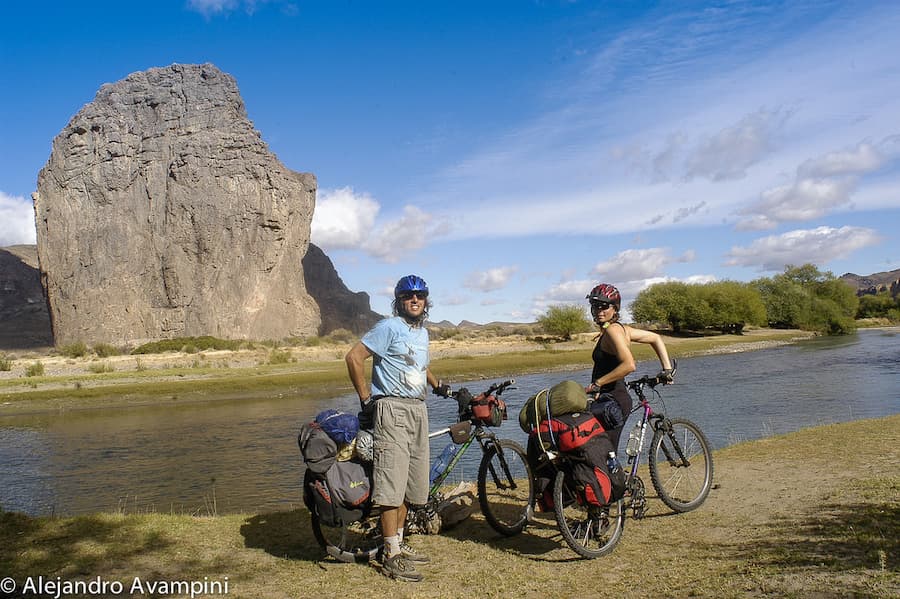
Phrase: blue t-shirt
(400, 358)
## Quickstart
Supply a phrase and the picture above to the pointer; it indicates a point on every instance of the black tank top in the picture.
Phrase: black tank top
(604, 363)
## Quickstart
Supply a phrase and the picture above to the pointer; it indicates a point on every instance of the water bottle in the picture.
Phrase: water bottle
(634, 439)
(612, 462)
(441, 463)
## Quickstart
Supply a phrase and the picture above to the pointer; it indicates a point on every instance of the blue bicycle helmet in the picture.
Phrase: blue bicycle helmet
(410, 283)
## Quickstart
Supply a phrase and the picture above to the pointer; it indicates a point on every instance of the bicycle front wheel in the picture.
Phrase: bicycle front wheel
(505, 487)
(681, 465)
(589, 531)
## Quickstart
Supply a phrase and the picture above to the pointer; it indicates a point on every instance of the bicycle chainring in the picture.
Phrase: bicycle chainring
(638, 501)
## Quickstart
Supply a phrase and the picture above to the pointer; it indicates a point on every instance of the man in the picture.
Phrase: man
(399, 348)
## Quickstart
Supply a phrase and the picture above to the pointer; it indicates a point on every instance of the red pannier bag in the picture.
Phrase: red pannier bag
(570, 432)
(597, 485)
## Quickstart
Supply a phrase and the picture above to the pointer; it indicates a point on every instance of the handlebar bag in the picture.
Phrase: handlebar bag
(490, 410)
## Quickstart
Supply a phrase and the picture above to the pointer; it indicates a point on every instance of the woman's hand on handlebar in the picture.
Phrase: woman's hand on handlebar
(666, 376)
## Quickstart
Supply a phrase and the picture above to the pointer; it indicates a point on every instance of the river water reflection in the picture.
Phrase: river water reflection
(241, 456)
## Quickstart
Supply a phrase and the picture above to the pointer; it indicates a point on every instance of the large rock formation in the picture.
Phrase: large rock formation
(162, 213)
(24, 322)
(340, 307)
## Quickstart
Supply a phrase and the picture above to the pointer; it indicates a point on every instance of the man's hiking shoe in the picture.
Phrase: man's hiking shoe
(399, 568)
(411, 555)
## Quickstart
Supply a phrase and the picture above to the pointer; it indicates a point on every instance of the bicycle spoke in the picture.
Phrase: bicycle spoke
(505, 489)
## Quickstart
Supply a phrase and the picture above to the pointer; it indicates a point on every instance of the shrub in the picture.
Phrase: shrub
(341, 336)
(179, 343)
(74, 350)
(279, 357)
(105, 350)
(100, 367)
(36, 369)
(5, 364)
(565, 320)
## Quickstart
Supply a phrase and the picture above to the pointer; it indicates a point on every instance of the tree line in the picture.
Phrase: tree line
(802, 297)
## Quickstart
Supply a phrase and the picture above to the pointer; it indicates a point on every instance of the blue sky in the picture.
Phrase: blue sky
(515, 153)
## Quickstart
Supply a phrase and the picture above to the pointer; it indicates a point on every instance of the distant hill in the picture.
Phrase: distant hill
(874, 283)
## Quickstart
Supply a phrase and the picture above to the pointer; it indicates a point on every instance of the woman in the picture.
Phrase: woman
(613, 360)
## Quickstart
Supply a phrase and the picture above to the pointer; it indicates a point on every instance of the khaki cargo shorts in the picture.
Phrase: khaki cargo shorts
(401, 452)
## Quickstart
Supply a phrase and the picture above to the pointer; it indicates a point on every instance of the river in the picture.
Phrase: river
(242, 456)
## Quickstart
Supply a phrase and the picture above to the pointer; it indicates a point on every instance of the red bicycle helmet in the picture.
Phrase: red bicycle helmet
(605, 293)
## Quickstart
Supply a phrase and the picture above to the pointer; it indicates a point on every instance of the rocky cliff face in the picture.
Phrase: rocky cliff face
(874, 283)
(340, 307)
(24, 321)
(162, 213)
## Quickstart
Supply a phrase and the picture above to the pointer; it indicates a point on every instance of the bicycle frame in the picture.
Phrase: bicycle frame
(463, 447)
(677, 443)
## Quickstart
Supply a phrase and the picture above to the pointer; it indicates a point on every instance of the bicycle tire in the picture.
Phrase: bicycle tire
(506, 494)
(682, 488)
(588, 533)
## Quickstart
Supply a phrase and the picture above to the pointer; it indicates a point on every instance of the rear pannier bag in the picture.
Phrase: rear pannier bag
(319, 451)
(349, 483)
(569, 432)
(591, 471)
(593, 483)
(320, 499)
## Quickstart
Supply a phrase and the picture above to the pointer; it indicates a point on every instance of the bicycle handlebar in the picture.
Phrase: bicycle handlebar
(498, 388)
(495, 388)
(666, 376)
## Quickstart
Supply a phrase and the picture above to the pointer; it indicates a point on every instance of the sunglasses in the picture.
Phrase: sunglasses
(600, 305)
(420, 295)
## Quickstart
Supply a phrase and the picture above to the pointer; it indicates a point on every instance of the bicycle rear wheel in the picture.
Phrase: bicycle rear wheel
(681, 465)
(505, 487)
(357, 541)
(589, 531)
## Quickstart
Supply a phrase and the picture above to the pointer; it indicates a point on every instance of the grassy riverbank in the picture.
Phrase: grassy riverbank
(790, 516)
(177, 377)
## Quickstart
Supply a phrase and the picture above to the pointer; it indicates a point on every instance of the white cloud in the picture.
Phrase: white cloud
(212, 7)
(816, 246)
(634, 265)
(821, 186)
(343, 219)
(730, 152)
(396, 238)
(491, 279)
(862, 159)
(346, 220)
(16, 221)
